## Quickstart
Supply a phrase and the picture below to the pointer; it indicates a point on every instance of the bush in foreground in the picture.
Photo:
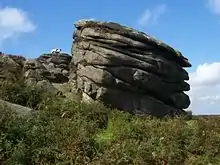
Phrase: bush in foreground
(20, 94)
(69, 132)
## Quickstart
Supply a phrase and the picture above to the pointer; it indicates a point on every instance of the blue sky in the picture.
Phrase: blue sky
(191, 26)
(186, 25)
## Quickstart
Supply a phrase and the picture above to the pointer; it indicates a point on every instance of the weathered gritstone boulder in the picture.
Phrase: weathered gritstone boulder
(18, 59)
(51, 67)
(128, 69)
(20, 110)
(11, 67)
(44, 72)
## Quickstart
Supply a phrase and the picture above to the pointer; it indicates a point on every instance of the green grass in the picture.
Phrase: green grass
(64, 131)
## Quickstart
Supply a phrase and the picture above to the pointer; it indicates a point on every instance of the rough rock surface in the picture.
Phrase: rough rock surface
(20, 110)
(127, 69)
(11, 67)
(51, 67)
(44, 71)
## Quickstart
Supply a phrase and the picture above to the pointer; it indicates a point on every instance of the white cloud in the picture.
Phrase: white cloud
(152, 15)
(211, 99)
(214, 6)
(13, 22)
(205, 89)
(206, 75)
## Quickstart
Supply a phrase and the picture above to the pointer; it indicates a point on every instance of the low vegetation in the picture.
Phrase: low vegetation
(65, 131)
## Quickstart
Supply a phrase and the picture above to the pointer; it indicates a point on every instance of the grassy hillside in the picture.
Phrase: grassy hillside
(65, 131)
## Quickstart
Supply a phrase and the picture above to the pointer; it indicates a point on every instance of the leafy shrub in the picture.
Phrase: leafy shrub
(64, 131)
(18, 93)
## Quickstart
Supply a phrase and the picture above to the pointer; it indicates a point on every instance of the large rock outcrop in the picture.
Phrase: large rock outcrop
(127, 69)
(51, 67)
(48, 71)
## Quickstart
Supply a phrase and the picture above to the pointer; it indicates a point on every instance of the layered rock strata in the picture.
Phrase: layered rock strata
(51, 67)
(128, 69)
(47, 71)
